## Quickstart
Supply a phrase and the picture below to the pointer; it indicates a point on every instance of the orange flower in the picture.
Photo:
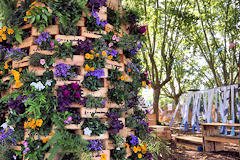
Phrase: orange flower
(87, 56)
(1, 72)
(126, 145)
(126, 78)
(51, 134)
(20, 69)
(139, 155)
(135, 150)
(1, 39)
(29, 119)
(4, 36)
(39, 122)
(45, 140)
(103, 156)
(32, 7)
(28, 13)
(144, 83)
(92, 69)
(34, 2)
(25, 124)
(97, 54)
(129, 69)
(4, 28)
(92, 51)
(122, 78)
(1, 32)
(110, 57)
(138, 149)
(10, 31)
(25, 19)
(149, 85)
(18, 84)
(104, 53)
(87, 67)
(91, 56)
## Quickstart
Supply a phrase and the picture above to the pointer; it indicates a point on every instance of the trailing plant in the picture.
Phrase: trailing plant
(68, 13)
(67, 94)
(94, 126)
(64, 142)
(65, 71)
(37, 59)
(94, 23)
(39, 16)
(94, 102)
(92, 83)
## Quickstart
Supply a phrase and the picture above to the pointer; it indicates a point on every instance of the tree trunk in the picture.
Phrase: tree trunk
(156, 95)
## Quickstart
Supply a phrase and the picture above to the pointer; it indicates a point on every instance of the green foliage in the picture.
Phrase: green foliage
(63, 50)
(117, 95)
(36, 57)
(94, 102)
(64, 142)
(114, 76)
(114, 18)
(6, 153)
(69, 12)
(118, 154)
(92, 83)
(40, 17)
(95, 125)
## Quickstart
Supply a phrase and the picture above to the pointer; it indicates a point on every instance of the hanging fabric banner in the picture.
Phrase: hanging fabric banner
(210, 103)
(216, 104)
(232, 108)
(205, 105)
(195, 108)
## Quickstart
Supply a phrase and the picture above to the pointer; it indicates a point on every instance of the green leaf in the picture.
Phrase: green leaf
(45, 17)
(33, 20)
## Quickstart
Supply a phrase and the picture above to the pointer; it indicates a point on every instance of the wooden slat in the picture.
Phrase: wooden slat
(222, 139)
(220, 124)
(190, 139)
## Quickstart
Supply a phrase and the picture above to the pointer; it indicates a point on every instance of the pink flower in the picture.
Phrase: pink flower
(54, 64)
(149, 82)
(118, 39)
(59, 40)
(69, 119)
(52, 43)
(42, 61)
(114, 37)
(232, 45)
(110, 45)
(66, 122)
(25, 143)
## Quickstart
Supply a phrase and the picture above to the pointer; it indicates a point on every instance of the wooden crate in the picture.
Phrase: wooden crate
(109, 144)
(38, 70)
(34, 48)
(27, 26)
(74, 126)
(110, 104)
(125, 132)
(61, 83)
(76, 105)
(102, 92)
(74, 39)
(26, 43)
(162, 131)
(86, 137)
(98, 112)
(77, 60)
(152, 119)
(22, 63)
(52, 29)
(91, 34)
(113, 64)
(97, 155)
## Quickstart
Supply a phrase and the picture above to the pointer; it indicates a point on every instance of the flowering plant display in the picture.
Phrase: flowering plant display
(44, 41)
(63, 50)
(96, 4)
(95, 145)
(94, 23)
(39, 16)
(38, 59)
(114, 18)
(84, 46)
(94, 102)
(94, 126)
(5, 32)
(117, 95)
(64, 71)
(115, 124)
(145, 81)
(67, 94)
(94, 60)
(15, 54)
(92, 83)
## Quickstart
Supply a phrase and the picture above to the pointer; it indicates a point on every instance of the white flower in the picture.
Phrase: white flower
(4, 125)
(11, 128)
(48, 83)
(118, 148)
(87, 131)
(39, 86)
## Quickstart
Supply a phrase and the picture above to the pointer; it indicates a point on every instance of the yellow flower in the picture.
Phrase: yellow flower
(25, 19)
(139, 155)
(20, 69)
(1, 72)
(4, 28)
(138, 149)
(45, 140)
(1, 32)
(87, 56)
(34, 3)
(149, 85)
(51, 134)
(103, 156)
(144, 83)
(92, 51)
(122, 78)
(25, 124)
(110, 57)
(92, 69)
(33, 126)
(104, 53)
(29, 119)
(28, 13)
(87, 67)
(126, 144)
(135, 150)
(91, 56)
(1, 39)
(4, 36)
(126, 78)
(39, 122)
(6, 66)
(97, 54)
(10, 31)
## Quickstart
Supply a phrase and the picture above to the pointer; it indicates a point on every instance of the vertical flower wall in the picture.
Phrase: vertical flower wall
(70, 78)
